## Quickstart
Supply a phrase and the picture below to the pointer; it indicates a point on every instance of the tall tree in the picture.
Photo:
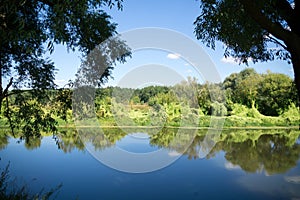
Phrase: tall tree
(257, 30)
(275, 93)
(242, 87)
(29, 29)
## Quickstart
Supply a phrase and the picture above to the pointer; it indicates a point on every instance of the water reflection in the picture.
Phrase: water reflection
(274, 151)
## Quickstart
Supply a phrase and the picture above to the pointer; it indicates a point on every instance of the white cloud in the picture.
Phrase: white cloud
(230, 166)
(189, 71)
(292, 179)
(174, 154)
(229, 60)
(186, 64)
(173, 56)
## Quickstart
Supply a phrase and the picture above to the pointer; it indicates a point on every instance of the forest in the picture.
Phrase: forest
(244, 99)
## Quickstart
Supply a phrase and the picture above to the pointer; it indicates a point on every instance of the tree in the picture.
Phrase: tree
(29, 29)
(187, 91)
(242, 87)
(275, 94)
(257, 30)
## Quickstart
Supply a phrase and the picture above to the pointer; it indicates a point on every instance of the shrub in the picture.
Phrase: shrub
(218, 109)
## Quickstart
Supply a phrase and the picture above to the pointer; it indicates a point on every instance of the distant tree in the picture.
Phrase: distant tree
(253, 30)
(187, 91)
(275, 94)
(164, 98)
(204, 99)
(208, 94)
(242, 87)
(147, 92)
(29, 29)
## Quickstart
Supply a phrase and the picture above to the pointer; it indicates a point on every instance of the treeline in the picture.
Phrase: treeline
(267, 99)
(246, 98)
(271, 94)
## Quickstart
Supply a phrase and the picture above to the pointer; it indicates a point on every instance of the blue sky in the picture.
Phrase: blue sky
(177, 15)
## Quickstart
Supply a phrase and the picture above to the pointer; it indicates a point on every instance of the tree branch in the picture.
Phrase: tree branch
(277, 42)
(289, 14)
(285, 10)
(14, 92)
(5, 92)
(274, 28)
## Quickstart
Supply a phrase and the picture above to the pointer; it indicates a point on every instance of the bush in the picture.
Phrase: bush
(243, 111)
(291, 115)
(218, 109)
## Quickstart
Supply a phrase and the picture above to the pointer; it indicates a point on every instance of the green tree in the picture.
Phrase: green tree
(246, 90)
(29, 29)
(275, 94)
(242, 87)
(150, 91)
(187, 91)
(204, 99)
(257, 30)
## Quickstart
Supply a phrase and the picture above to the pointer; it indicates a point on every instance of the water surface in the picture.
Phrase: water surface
(243, 164)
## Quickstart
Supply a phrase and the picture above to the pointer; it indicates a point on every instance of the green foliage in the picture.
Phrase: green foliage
(29, 30)
(187, 92)
(250, 28)
(275, 93)
(204, 99)
(270, 93)
(163, 98)
(29, 113)
(147, 92)
(115, 106)
(103, 107)
(218, 109)
(292, 114)
(235, 24)
(243, 111)
(242, 87)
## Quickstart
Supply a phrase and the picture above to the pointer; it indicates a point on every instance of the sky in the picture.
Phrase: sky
(177, 16)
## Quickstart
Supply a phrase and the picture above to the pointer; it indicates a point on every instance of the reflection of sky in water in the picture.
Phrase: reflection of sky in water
(136, 143)
(230, 166)
(276, 185)
(292, 179)
(279, 186)
(187, 178)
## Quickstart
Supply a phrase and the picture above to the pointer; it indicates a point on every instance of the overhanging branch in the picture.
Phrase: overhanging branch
(274, 28)
(277, 42)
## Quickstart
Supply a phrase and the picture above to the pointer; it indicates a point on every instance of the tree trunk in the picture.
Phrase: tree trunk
(293, 47)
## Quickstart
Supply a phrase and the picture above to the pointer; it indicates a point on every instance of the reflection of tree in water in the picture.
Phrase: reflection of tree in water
(270, 152)
(273, 151)
(32, 142)
(173, 139)
(68, 140)
(3, 140)
(101, 138)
